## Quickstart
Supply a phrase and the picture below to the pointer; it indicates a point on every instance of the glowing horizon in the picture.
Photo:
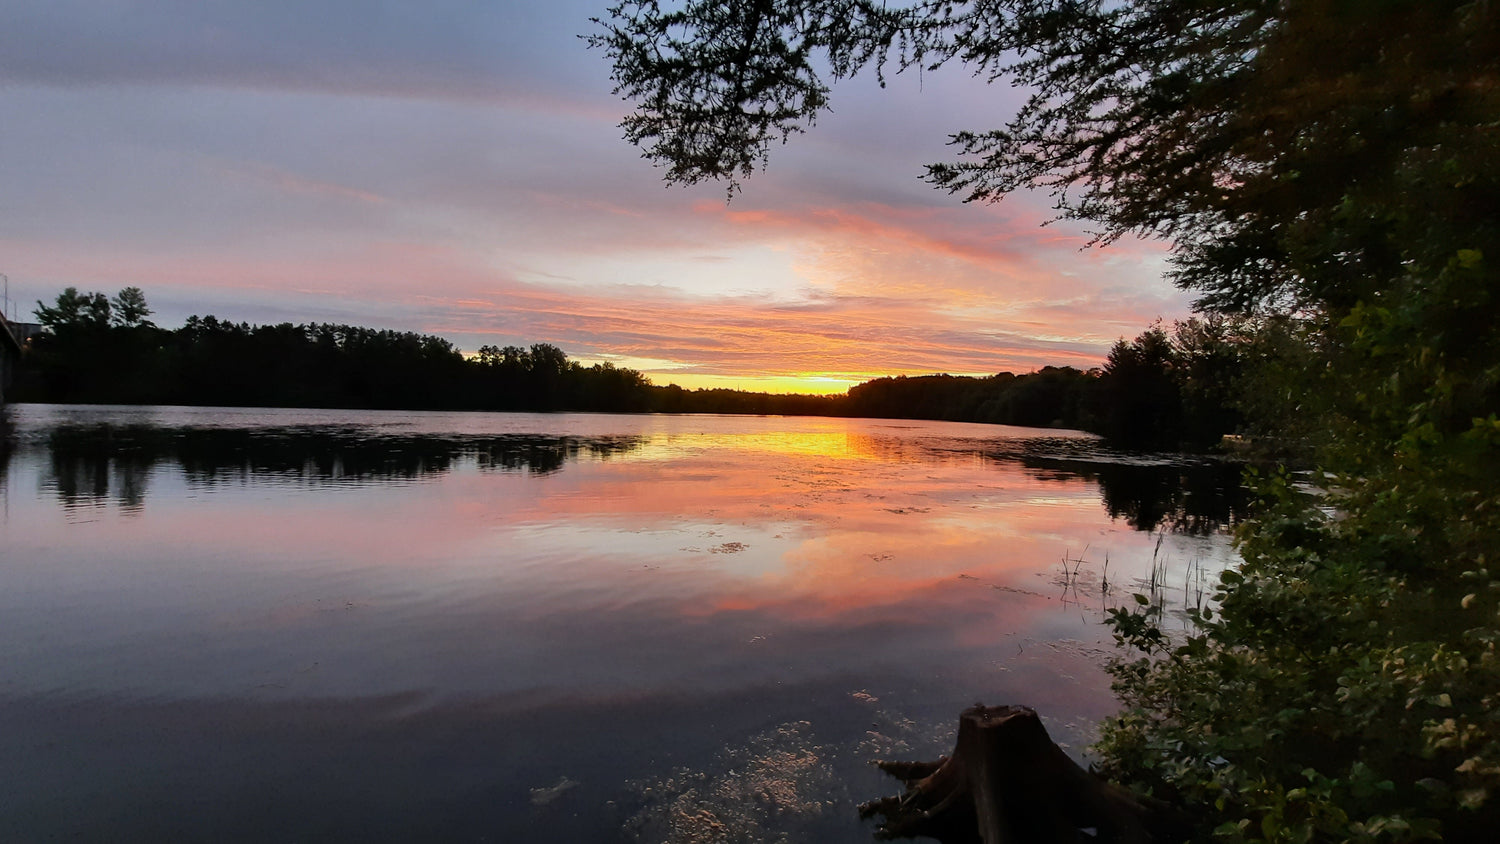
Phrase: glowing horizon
(459, 172)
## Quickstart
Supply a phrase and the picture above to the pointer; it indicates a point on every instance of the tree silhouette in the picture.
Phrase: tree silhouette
(130, 308)
(75, 310)
(1330, 162)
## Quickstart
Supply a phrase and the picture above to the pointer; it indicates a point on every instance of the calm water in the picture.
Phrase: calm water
(253, 625)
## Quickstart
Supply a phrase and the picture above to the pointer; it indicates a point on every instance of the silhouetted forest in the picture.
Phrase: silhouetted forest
(93, 354)
(1158, 390)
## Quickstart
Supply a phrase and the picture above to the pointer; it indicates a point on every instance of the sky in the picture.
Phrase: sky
(455, 167)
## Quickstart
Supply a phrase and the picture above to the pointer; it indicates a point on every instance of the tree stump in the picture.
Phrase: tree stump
(1008, 783)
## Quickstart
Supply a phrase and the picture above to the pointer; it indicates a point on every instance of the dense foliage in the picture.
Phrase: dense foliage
(1051, 397)
(97, 349)
(1331, 164)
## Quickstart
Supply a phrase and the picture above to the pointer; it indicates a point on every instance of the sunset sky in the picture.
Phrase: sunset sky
(455, 167)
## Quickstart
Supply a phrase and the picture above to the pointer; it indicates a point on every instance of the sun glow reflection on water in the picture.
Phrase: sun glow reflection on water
(447, 591)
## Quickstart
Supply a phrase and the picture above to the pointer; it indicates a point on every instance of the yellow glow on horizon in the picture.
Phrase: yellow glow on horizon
(820, 385)
(663, 372)
(801, 383)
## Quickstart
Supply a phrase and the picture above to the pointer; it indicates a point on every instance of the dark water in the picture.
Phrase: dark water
(269, 625)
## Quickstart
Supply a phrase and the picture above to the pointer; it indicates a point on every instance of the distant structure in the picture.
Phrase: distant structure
(10, 356)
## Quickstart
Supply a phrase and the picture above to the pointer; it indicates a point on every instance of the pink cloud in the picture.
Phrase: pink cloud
(294, 183)
(922, 229)
(878, 288)
(427, 288)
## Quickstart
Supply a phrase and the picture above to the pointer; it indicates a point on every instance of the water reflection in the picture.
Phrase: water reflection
(1195, 498)
(1176, 493)
(102, 463)
(91, 473)
(7, 442)
(278, 625)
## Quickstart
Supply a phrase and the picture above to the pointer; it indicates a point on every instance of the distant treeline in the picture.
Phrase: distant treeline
(1159, 390)
(95, 350)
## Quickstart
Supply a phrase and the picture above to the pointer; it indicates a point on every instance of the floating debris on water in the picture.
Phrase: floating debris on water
(548, 794)
(763, 791)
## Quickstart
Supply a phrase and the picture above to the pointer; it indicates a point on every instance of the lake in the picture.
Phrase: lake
(229, 624)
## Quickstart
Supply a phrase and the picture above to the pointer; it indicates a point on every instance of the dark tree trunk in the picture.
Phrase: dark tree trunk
(1008, 783)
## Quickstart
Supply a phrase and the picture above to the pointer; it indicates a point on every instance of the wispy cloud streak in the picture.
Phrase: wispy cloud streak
(453, 166)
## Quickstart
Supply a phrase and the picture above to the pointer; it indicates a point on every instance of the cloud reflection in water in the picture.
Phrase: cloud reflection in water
(703, 579)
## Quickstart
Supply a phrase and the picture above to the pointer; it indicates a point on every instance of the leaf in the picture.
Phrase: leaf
(1230, 827)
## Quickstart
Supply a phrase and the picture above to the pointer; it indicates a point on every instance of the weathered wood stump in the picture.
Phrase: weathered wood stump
(1008, 783)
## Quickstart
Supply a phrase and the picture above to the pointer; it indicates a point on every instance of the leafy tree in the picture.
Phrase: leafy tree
(1246, 131)
(547, 360)
(74, 309)
(1052, 396)
(98, 349)
(1143, 404)
(1332, 163)
(210, 361)
(126, 309)
(66, 311)
(1214, 355)
(130, 310)
(1181, 388)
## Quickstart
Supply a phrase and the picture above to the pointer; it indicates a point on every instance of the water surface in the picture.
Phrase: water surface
(246, 625)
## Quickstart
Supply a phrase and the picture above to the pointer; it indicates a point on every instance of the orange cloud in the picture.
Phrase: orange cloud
(882, 290)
